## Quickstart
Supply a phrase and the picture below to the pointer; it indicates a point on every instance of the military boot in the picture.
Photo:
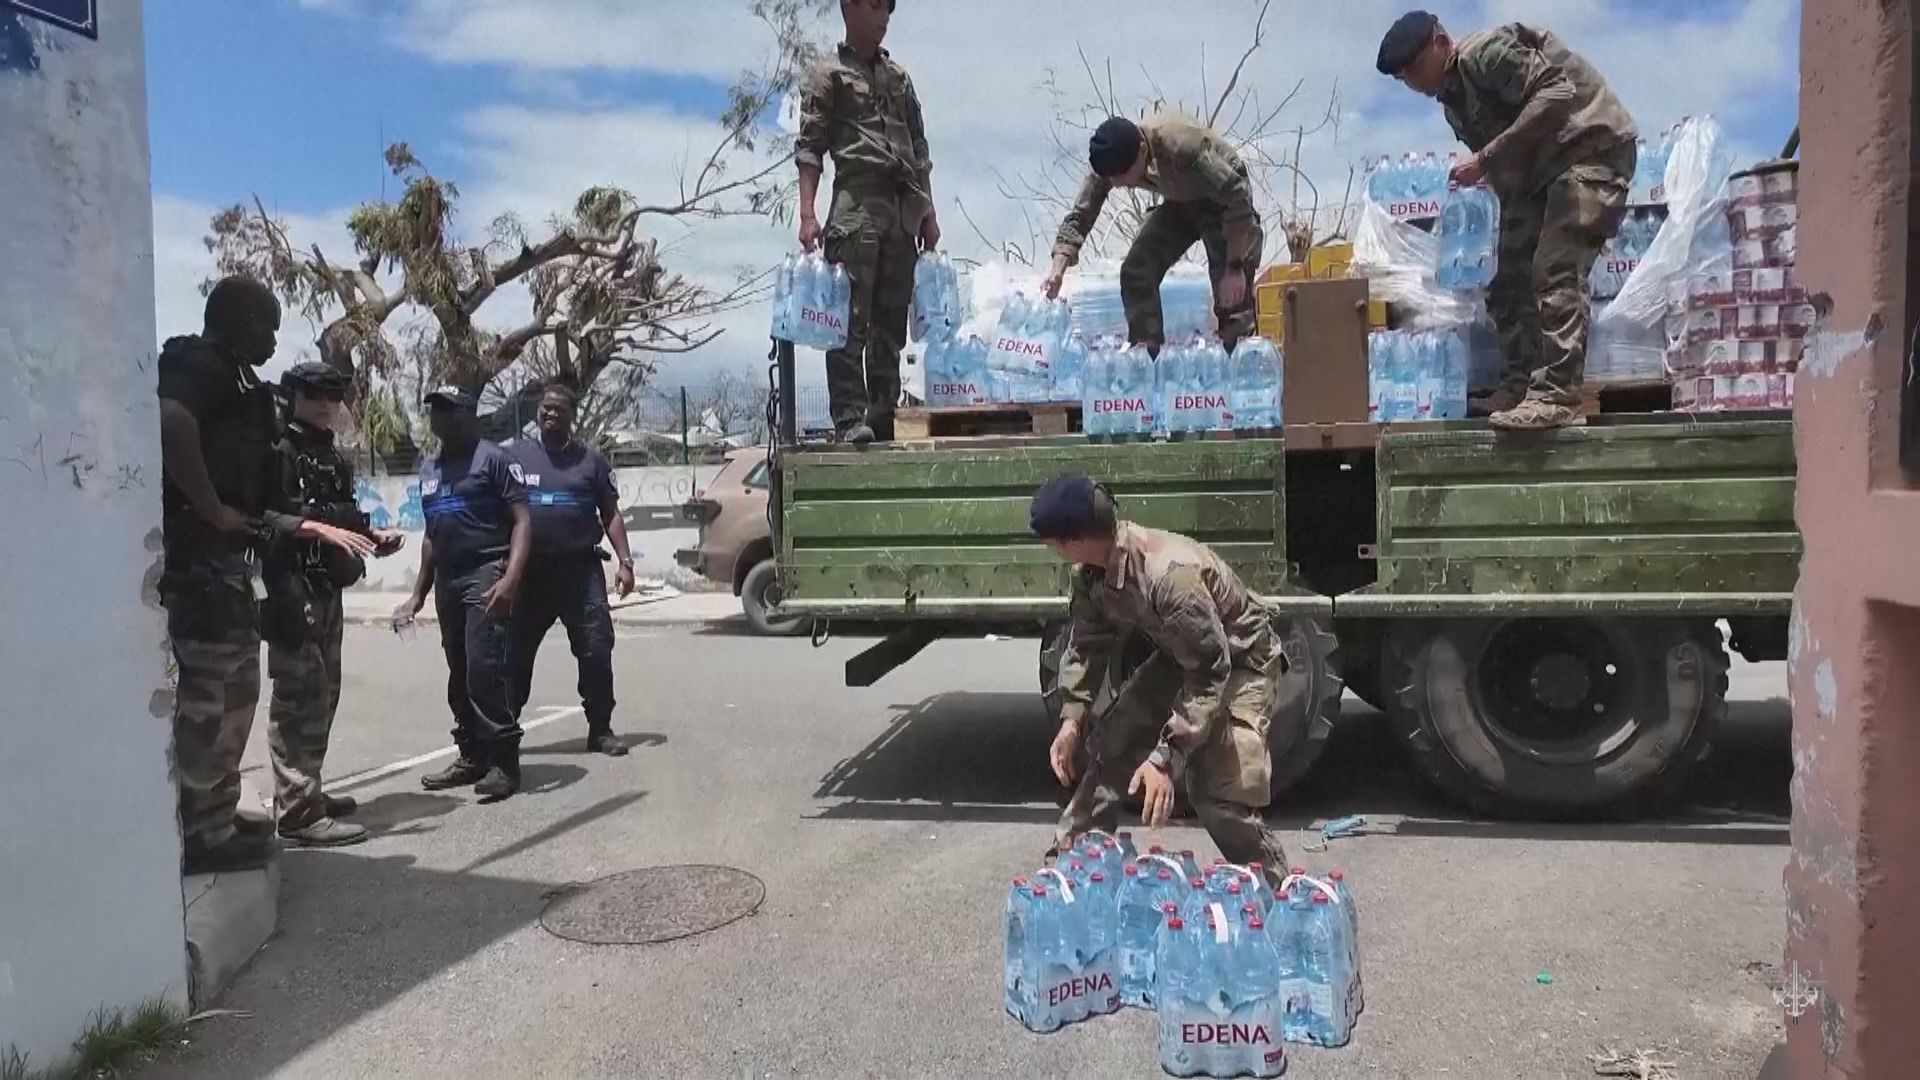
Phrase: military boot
(503, 778)
(462, 772)
(602, 740)
(240, 851)
(324, 833)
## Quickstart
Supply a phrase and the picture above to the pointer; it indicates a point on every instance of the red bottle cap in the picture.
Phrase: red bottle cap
(1174, 923)
(1336, 875)
(1097, 876)
(1130, 870)
(1319, 897)
(1255, 923)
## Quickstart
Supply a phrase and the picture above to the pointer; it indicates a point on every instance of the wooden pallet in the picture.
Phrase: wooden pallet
(960, 421)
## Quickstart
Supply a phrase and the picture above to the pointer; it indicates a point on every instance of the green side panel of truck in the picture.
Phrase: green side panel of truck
(942, 532)
(1668, 517)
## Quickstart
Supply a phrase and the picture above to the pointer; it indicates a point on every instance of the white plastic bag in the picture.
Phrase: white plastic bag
(1398, 261)
(1694, 239)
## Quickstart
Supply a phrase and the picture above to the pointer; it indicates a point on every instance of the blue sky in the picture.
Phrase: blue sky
(524, 104)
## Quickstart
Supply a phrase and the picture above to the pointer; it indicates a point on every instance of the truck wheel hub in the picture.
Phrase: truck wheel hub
(1557, 690)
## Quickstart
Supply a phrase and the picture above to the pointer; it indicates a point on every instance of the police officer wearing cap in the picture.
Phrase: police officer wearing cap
(1555, 143)
(473, 560)
(573, 502)
(1197, 708)
(303, 624)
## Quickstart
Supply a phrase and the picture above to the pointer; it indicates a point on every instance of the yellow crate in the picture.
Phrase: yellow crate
(1329, 260)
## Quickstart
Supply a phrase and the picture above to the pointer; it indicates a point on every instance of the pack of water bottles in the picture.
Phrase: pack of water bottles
(1194, 386)
(812, 300)
(1186, 304)
(1469, 237)
(1621, 255)
(937, 308)
(1417, 375)
(1232, 971)
(1649, 184)
(956, 370)
(1028, 344)
(1411, 188)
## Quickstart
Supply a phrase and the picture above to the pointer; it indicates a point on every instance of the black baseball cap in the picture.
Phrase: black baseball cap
(317, 376)
(1405, 40)
(453, 397)
(1114, 147)
(1066, 509)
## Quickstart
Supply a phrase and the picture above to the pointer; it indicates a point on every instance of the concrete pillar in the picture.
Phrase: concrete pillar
(90, 904)
(1853, 879)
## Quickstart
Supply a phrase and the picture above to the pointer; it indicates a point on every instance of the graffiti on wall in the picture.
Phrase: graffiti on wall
(408, 518)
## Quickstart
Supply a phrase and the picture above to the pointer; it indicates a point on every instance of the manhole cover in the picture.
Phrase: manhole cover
(661, 903)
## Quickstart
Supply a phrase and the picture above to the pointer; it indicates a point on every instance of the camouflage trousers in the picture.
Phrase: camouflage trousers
(212, 627)
(306, 692)
(1164, 237)
(872, 234)
(1227, 781)
(1538, 298)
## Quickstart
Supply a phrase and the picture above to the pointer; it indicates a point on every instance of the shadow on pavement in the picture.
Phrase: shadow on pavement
(388, 813)
(952, 757)
(635, 740)
(358, 931)
(541, 779)
(982, 758)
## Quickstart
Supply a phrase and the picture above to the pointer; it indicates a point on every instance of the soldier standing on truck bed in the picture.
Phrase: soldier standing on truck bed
(860, 107)
(1556, 145)
(1199, 704)
(303, 626)
(1205, 196)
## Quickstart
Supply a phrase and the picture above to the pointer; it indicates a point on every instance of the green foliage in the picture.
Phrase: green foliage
(111, 1044)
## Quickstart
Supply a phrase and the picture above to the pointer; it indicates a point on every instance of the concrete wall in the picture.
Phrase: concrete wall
(90, 908)
(1854, 871)
(650, 498)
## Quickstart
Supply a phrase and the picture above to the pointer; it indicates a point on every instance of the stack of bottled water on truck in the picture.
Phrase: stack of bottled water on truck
(1735, 335)
(1076, 351)
(1645, 216)
(1231, 970)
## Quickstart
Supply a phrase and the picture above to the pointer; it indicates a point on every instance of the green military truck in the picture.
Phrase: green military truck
(1541, 616)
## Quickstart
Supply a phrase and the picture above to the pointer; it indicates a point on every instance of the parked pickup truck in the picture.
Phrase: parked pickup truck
(1540, 615)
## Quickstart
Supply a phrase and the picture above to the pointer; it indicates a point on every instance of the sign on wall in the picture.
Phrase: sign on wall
(79, 16)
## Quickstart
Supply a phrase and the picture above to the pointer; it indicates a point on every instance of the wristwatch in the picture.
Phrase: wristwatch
(625, 564)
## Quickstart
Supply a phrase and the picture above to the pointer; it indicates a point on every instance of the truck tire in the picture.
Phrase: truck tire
(1361, 644)
(758, 593)
(1308, 703)
(1564, 718)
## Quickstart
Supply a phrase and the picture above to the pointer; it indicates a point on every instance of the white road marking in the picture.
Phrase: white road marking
(549, 714)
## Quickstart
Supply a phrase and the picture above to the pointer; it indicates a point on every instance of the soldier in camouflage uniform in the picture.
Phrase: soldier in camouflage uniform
(1199, 706)
(1557, 146)
(1205, 196)
(859, 107)
(217, 427)
(303, 623)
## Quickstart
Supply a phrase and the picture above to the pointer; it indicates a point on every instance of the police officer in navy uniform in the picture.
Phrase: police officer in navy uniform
(473, 560)
(573, 502)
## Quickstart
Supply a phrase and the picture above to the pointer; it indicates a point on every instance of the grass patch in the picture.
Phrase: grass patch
(111, 1043)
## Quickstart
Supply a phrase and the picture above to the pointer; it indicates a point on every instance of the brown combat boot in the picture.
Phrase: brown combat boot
(1536, 415)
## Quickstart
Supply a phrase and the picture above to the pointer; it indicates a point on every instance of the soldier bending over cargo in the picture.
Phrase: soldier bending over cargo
(1198, 706)
(1552, 140)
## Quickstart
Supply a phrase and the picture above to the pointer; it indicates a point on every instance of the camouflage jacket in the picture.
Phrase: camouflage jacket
(1189, 603)
(1185, 163)
(1530, 107)
(867, 117)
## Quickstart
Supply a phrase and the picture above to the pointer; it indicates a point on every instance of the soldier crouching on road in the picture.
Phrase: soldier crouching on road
(1199, 705)
(303, 623)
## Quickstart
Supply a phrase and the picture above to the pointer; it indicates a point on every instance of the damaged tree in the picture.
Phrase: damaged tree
(594, 291)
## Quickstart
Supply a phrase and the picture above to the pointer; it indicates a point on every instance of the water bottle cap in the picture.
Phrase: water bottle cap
(1039, 890)
(1169, 907)
(1165, 874)
(1319, 897)
(1098, 876)
(1130, 870)
(1335, 874)
(1020, 880)
(1156, 850)
(1233, 889)
(1296, 870)
(1174, 923)
(1255, 923)
(1197, 883)
(1125, 835)
(1075, 864)
(1186, 853)
(1249, 909)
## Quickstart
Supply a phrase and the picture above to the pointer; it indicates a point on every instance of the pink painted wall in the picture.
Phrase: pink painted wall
(1853, 878)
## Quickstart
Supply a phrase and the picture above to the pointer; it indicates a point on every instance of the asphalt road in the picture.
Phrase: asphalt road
(885, 824)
